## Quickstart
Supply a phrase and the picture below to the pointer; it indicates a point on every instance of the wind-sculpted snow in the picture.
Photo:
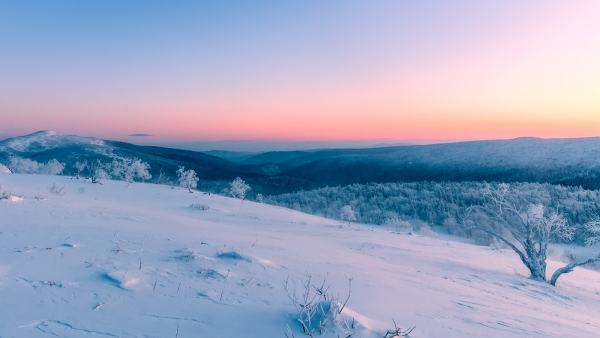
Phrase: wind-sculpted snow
(134, 260)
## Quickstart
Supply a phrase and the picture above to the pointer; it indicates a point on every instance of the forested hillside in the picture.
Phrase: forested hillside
(447, 206)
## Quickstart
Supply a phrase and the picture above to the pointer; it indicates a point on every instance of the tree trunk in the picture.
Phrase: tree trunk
(537, 270)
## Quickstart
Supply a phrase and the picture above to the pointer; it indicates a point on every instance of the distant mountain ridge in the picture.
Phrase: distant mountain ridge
(45, 145)
(573, 161)
(563, 161)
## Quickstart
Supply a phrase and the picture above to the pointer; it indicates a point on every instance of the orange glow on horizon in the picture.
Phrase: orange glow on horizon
(530, 76)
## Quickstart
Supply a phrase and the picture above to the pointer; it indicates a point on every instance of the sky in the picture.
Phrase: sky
(301, 70)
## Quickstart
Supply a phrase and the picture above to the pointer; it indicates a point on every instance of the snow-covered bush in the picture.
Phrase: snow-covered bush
(347, 214)
(57, 190)
(318, 311)
(99, 174)
(126, 169)
(130, 170)
(53, 167)
(95, 171)
(26, 166)
(238, 188)
(187, 178)
(199, 206)
(137, 169)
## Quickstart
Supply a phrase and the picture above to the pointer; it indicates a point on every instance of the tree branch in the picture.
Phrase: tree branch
(509, 244)
(569, 268)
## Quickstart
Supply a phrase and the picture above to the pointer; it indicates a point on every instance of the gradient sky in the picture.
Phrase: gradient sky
(301, 70)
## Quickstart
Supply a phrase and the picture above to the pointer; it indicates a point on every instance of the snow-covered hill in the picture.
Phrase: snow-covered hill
(46, 140)
(117, 260)
(43, 146)
(573, 162)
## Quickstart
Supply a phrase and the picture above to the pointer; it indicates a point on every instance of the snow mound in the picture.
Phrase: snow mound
(4, 169)
(233, 256)
(15, 199)
(11, 198)
(121, 279)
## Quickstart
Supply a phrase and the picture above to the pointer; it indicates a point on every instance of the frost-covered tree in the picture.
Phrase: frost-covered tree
(80, 168)
(238, 188)
(100, 174)
(137, 169)
(24, 165)
(53, 167)
(95, 171)
(187, 178)
(27, 166)
(99, 171)
(130, 170)
(443, 206)
(528, 232)
(347, 214)
(593, 232)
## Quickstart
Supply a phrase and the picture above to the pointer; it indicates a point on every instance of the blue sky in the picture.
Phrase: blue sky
(298, 69)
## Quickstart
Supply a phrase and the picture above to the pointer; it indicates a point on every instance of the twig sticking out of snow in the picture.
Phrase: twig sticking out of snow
(57, 190)
(397, 332)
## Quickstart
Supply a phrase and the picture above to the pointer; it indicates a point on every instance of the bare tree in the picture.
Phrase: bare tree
(528, 232)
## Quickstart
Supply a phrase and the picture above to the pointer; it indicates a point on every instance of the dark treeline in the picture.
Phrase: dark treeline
(445, 206)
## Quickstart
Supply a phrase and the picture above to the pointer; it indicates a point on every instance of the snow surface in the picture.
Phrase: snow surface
(4, 169)
(135, 260)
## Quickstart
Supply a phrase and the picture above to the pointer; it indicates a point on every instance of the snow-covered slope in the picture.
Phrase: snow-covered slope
(117, 260)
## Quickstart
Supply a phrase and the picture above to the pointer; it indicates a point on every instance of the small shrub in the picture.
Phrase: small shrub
(57, 190)
(199, 206)
(318, 311)
(233, 255)
(3, 194)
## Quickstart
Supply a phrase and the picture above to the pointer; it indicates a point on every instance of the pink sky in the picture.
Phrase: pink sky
(498, 73)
